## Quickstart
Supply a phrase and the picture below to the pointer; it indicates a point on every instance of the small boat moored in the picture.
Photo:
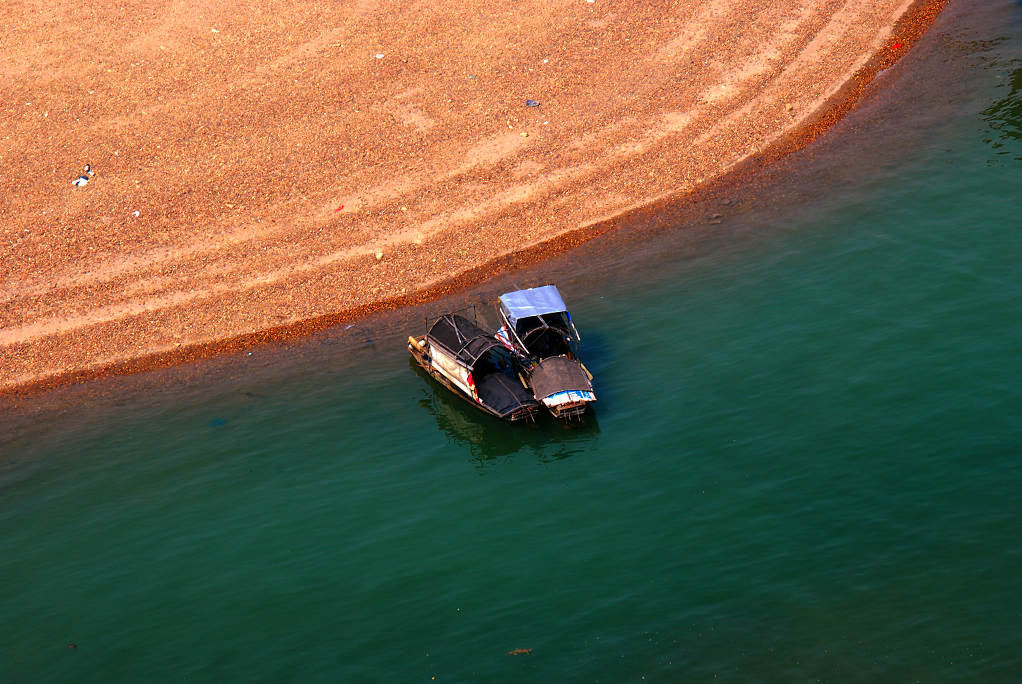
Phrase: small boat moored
(475, 366)
(538, 327)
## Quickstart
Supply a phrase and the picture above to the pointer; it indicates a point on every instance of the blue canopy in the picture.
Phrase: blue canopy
(532, 302)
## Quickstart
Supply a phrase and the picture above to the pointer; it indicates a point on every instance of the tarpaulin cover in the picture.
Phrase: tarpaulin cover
(532, 302)
(569, 397)
(559, 374)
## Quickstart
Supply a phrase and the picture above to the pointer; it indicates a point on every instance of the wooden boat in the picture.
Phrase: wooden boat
(536, 325)
(470, 362)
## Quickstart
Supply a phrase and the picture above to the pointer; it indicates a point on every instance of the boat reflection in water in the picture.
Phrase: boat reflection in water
(490, 442)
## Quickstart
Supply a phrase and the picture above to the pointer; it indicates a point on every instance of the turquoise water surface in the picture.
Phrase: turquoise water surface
(804, 464)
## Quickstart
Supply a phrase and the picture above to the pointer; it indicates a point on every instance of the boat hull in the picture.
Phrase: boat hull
(420, 352)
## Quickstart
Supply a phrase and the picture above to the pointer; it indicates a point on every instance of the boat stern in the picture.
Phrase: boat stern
(563, 385)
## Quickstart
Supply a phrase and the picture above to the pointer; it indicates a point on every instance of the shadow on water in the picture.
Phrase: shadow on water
(1004, 116)
(596, 351)
(491, 441)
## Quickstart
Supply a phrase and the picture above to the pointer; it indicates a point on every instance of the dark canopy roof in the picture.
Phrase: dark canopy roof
(559, 374)
(462, 338)
(503, 393)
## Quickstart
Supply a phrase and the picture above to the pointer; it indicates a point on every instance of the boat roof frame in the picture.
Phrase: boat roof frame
(533, 302)
(470, 342)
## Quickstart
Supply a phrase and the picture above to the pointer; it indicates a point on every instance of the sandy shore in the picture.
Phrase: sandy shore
(261, 174)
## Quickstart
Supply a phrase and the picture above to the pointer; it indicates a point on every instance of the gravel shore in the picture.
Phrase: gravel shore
(262, 174)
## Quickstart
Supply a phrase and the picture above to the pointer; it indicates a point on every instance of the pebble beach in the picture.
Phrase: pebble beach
(259, 175)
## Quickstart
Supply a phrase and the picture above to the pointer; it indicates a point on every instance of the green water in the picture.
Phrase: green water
(804, 464)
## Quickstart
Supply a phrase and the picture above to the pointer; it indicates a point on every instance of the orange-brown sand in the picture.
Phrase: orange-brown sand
(267, 169)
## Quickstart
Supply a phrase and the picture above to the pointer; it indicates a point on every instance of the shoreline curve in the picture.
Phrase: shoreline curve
(644, 215)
